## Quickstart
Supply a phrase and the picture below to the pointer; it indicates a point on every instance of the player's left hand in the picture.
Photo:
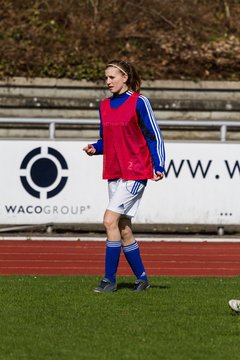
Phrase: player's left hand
(158, 176)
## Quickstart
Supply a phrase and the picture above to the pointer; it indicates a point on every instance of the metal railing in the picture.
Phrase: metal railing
(222, 125)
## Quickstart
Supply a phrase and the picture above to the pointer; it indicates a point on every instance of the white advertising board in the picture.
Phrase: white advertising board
(56, 182)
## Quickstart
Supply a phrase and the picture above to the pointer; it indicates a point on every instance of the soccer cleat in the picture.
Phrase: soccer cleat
(106, 286)
(234, 305)
(140, 285)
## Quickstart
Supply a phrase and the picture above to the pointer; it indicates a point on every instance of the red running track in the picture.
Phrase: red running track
(87, 258)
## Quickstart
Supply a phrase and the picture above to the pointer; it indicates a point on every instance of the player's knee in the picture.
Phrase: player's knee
(126, 232)
(109, 223)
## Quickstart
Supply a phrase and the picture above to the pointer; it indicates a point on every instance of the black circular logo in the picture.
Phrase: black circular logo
(43, 172)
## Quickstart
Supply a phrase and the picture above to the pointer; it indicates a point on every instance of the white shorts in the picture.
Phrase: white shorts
(125, 196)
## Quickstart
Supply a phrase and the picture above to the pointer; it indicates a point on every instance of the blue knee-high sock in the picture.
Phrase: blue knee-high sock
(133, 257)
(113, 251)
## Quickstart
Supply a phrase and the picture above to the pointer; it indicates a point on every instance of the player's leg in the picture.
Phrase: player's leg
(125, 228)
(110, 222)
(132, 254)
(133, 195)
(113, 244)
(113, 251)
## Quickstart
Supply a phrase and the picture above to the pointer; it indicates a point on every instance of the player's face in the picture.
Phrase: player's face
(115, 80)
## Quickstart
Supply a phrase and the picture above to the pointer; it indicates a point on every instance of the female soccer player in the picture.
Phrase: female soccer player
(133, 152)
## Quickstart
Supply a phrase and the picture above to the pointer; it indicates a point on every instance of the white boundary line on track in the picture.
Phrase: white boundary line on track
(145, 239)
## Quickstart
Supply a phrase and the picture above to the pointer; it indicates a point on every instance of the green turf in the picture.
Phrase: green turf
(61, 317)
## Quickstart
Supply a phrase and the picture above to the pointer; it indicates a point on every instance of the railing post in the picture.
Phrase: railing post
(223, 132)
(51, 130)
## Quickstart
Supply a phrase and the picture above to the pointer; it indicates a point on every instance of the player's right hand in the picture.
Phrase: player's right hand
(89, 149)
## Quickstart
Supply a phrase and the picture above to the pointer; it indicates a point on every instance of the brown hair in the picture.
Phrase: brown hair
(133, 81)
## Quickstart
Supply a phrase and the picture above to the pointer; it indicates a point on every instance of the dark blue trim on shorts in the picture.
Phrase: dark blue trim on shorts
(144, 182)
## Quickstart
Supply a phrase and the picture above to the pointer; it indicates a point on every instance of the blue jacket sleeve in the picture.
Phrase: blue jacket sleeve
(99, 144)
(151, 132)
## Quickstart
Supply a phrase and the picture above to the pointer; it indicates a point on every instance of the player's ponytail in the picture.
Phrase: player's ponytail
(133, 81)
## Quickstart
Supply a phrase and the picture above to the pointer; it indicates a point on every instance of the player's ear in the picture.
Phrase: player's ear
(125, 78)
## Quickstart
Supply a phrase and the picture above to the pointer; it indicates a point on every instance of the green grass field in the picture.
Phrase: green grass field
(60, 317)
